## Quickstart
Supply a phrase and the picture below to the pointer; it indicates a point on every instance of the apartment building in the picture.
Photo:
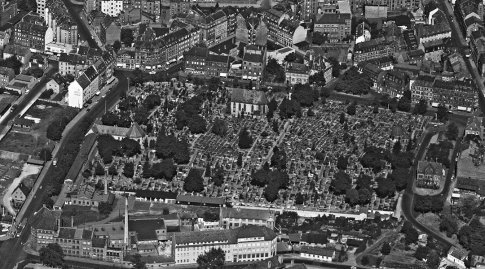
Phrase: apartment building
(372, 49)
(32, 32)
(297, 73)
(254, 61)
(63, 26)
(112, 8)
(283, 30)
(199, 61)
(6, 75)
(243, 244)
(251, 30)
(453, 94)
(335, 27)
(73, 64)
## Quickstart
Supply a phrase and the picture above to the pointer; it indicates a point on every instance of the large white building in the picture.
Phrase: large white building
(112, 8)
(231, 218)
(247, 243)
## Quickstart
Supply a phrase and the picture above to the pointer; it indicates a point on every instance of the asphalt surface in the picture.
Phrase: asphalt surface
(11, 250)
(82, 29)
(29, 96)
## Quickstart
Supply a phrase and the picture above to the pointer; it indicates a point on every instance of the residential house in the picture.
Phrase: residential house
(474, 126)
(318, 253)
(393, 83)
(39, 61)
(72, 64)
(477, 46)
(282, 30)
(254, 62)
(59, 20)
(370, 70)
(20, 194)
(106, 27)
(335, 27)
(465, 9)
(238, 244)
(297, 73)
(44, 226)
(429, 174)
(230, 218)
(248, 102)
(86, 195)
(372, 49)
(213, 26)
(457, 256)
(32, 32)
(127, 59)
(55, 48)
(56, 84)
(6, 75)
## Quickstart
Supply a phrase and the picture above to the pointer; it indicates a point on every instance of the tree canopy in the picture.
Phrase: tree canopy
(52, 255)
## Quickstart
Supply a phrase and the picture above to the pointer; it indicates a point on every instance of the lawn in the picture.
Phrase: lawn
(80, 215)
(25, 143)
(31, 142)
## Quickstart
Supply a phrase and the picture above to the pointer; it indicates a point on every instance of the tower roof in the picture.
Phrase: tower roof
(135, 131)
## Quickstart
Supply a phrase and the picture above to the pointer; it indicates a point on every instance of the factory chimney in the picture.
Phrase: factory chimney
(105, 185)
(126, 223)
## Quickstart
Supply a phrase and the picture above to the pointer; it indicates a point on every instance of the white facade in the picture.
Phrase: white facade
(112, 8)
(316, 257)
(40, 7)
(75, 95)
(58, 48)
(246, 249)
(440, 36)
(247, 109)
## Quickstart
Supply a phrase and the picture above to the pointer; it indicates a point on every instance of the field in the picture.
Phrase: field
(32, 141)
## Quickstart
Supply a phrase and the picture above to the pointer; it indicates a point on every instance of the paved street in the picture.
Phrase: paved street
(12, 249)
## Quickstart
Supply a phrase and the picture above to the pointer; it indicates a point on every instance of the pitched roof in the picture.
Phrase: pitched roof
(200, 199)
(246, 213)
(45, 219)
(252, 57)
(430, 168)
(155, 194)
(230, 236)
(325, 252)
(245, 96)
(111, 130)
(315, 238)
(135, 132)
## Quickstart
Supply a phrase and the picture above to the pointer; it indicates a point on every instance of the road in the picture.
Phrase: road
(81, 27)
(28, 97)
(11, 250)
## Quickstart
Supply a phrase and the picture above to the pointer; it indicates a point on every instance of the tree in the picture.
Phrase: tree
(239, 160)
(433, 259)
(449, 225)
(352, 196)
(299, 199)
(12, 62)
(112, 170)
(213, 259)
(342, 162)
(48, 202)
(342, 118)
(137, 262)
(452, 131)
(365, 196)
(127, 36)
(351, 109)
(274, 72)
(245, 140)
(442, 113)
(99, 169)
(55, 129)
(335, 66)
(287, 219)
(318, 78)
(129, 169)
(46, 94)
(289, 108)
(400, 176)
(386, 248)
(385, 187)
(117, 46)
(404, 103)
(340, 183)
(293, 58)
(411, 236)
(304, 94)
(45, 154)
(365, 260)
(52, 255)
(218, 177)
(105, 208)
(27, 5)
(197, 124)
(421, 253)
(396, 148)
(220, 127)
(194, 181)
(318, 38)
(421, 107)
(35, 72)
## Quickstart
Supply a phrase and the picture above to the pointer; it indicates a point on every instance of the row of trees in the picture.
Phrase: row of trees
(57, 126)
(188, 114)
(109, 147)
(272, 180)
(165, 169)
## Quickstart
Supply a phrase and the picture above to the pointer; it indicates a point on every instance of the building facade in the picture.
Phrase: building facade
(248, 102)
(335, 27)
(112, 8)
(231, 218)
(32, 32)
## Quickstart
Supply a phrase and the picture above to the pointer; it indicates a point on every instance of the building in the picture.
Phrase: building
(251, 30)
(477, 47)
(6, 75)
(32, 32)
(243, 244)
(55, 48)
(297, 73)
(429, 175)
(373, 49)
(457, 256)
(20, 194)
(8, 10)
(112, 8)
(106, 27)
(199, 61)
(22, 54)
(134, 132)
(21, 83)
(474, 126)
(213, 25)
(83, 88)
(75, 242)
(335, 27)
(231, 218)
(393, 83)
(59, 20)
(427, 33)
(318, 253)
(86, 195)
(282, 30)
(41, 7)
(73, 64)
(44, 226)
(248, 102)
(254, 62)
